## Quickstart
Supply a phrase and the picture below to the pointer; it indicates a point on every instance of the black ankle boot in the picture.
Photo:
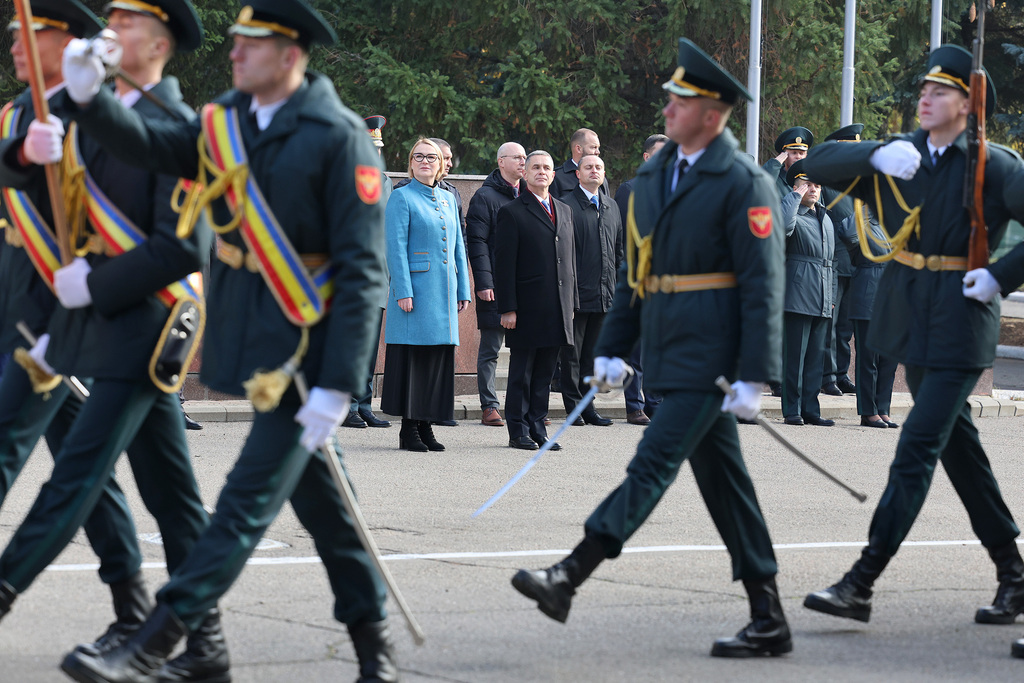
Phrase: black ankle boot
(375, 652)
(767, 633)
(205, 657)
(409, 437)
(136, 660)
(851, 597)
(554, 587)
(7, 596)
(1017, 649)
(1009, 600)
(131, 607)
(427, 435)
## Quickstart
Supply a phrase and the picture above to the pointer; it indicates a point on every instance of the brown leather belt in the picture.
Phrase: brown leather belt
(933, 263)
(671, 284)
(236, 258)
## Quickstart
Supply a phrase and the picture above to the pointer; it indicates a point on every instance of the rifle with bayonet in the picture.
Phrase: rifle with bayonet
(974, 180)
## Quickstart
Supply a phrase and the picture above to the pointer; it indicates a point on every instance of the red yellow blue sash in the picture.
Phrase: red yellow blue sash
(39, 240)
(303, 296)
(117, 231)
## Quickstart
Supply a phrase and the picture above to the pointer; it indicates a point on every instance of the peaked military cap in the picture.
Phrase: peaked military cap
(796, 137)
(850, 133)
(70, 16)
(796, 172)
(179, 16)
(698, 75)
(373, 125)
(951, 65)
(294, 19)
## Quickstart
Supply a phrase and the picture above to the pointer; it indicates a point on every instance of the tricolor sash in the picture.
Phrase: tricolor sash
(117, 231)
(303, 296)
(36, 235)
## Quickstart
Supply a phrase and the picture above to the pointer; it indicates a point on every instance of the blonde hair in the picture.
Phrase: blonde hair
(437, 150)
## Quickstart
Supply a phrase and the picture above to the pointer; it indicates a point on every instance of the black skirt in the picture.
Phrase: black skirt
(419, 382)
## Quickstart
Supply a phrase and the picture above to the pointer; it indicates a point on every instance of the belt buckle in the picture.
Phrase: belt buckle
(668, 284)
(917, 261)
(934, 263)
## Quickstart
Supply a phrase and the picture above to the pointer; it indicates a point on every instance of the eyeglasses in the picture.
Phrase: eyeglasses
(513, 157)
(424, 157)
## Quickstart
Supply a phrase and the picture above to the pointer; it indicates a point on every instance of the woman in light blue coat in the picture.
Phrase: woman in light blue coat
(429, 288)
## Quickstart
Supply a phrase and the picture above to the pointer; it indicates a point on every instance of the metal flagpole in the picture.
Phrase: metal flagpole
(754, 82)
(849, 54)
(936, 39)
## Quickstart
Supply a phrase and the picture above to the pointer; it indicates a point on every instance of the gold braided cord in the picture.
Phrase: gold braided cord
(73, 191)
(843, 194)
(863, 236)
(203, 193)
(911, 224)
(266, 388)
(638, 265)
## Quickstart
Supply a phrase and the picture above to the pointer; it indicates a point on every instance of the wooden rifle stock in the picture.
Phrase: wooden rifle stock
(974, 181)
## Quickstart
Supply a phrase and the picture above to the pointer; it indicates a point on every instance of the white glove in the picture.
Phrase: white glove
(745, 401)
(981, 285)
(899, 158)
(321, 416)
(611, 371)
(44, 143)
(38, 353)
(84, 71)
(71, 284)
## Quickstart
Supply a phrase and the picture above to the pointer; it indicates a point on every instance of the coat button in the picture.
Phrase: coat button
(446, 260)
(445, 251)
(559, 260)
(556, 238)
(444, 239)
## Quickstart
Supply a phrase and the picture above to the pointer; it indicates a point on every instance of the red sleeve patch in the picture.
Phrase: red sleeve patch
(368, 185)
(759, 218)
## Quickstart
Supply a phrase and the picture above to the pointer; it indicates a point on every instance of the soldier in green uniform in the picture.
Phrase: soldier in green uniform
(924, 321)
(115, 305)
(705, 299)
(791, 146)
(296, 286)
(26, 296)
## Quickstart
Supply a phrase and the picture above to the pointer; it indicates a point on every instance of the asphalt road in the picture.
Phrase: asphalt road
(649, 615)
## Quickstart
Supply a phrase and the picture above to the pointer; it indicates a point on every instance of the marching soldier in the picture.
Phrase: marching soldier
(296, 286)
(943, 338)
(707, 307)
(129, 319)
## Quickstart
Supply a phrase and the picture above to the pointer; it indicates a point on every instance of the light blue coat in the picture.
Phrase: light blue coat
(427, 260)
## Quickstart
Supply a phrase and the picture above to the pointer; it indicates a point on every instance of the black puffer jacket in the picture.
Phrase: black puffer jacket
(481, 219)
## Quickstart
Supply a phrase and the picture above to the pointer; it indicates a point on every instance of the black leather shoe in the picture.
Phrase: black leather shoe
(541, 440)
(592, 417)
(375, 652)
(818, 421)
(205, 658)
(776, 389)
(865, 421)
(578, 422)
(831, 389)
(191, 424)
(445, 423)
(1008, 604)
(794, 420)
(523, 442)
(551, 589)
(7, 596)
(1017, 649)
(844, 599)
(846, 386)
(766, 634)
(372, 420)
(353, 420)
(891, 424)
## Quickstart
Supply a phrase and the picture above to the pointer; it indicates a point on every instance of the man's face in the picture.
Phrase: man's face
(654, 150)
(684, 118)
(540, 171)
(939, 105)
(446, 158)
(813, 192)
(793, 156)
(591, 172)
(137, 35)
(590, 145)
(51, 44)
(258, 65)
(512, 162)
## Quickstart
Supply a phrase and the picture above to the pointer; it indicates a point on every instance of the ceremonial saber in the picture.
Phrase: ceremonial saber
(348, 499)
(595, 387)
(723, 384)
(38, 87)
(74, 384)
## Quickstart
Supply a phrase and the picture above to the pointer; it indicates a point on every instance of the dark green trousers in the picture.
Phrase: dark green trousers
(691, 426)
(119, 416)
(804, 346)
(271, 469)
(939, 428)
(24, 417)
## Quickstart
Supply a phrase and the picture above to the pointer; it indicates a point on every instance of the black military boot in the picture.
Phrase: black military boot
(136, 660)
(1009, 600)
(1017, 649)
(205, 659)
(131, 607)
(767, 633)
(375, 652)
(7, 596)
(851, 597)
(554, 587)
